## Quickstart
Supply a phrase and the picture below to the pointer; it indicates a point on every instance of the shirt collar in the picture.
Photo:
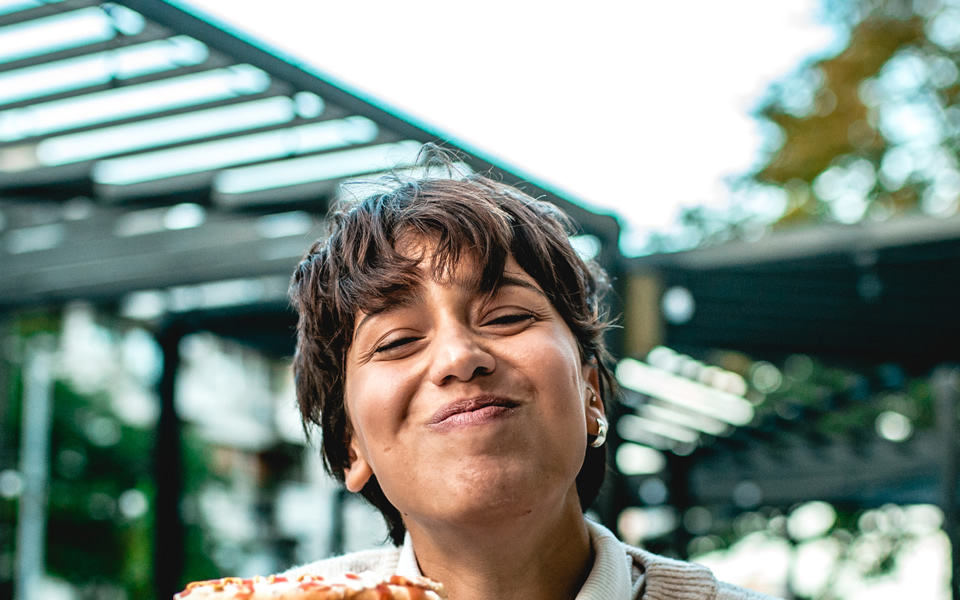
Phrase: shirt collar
(609, 578)
(408, 566)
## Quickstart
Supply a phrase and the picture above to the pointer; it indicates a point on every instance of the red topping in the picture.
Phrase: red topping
(306, 582)
(416, 593)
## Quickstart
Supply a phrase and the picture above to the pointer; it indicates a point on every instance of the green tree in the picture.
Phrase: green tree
(872, 131)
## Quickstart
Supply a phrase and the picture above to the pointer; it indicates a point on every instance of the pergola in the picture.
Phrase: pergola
(865, 295)
(164, 167)
(113, 114)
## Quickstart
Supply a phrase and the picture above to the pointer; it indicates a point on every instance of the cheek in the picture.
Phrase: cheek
(375, 394)
(558, 358)
(552, 364)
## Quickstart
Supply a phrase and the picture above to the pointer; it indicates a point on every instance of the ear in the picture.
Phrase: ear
(358, 473)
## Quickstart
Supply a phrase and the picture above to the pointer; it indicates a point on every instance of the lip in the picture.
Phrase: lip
(477, 410)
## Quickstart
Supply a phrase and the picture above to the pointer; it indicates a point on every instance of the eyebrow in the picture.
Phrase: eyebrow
(406, 297)
(509, 280)
(409, 296)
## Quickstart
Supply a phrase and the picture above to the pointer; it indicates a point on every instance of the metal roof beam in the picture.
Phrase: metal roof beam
(91, 261)
(208, 65)
(46, 9)
(277, 88)
(146, 100)
(872, 474)
(820, 242)
(204, 180)
(42, 176)
(150, 33)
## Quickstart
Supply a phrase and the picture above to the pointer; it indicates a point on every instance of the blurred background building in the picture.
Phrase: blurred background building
(789, 414)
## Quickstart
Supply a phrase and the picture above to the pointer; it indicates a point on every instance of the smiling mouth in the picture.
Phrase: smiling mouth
(472, 411)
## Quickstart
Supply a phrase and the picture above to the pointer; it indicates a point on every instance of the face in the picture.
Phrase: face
(467, 406)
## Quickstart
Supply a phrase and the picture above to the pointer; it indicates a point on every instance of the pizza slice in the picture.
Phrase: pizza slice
(351, 586)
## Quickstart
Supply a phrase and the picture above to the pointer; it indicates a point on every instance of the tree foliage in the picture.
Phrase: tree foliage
(872, 131)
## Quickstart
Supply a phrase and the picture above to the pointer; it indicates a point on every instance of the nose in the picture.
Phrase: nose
(458, 355)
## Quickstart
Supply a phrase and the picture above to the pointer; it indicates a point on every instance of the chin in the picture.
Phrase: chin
(504, 510)
(514, 495)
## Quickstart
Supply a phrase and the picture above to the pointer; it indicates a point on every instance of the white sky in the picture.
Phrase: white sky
(634, 107)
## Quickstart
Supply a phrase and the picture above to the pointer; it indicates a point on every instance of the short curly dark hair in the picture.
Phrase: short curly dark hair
(357, 267)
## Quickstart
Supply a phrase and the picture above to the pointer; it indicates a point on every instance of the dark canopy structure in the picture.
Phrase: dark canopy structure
(872, 296)
(871, 292)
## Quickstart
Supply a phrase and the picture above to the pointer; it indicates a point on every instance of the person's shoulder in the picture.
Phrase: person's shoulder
(671, 578)
(381, 560)
(727, 591)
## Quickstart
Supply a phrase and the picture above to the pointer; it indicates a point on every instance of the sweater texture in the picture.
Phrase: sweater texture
(620, 572)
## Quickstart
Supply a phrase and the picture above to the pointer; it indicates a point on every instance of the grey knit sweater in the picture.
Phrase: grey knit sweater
(620, 572)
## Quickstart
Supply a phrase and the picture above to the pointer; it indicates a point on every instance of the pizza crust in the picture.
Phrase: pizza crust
(351, 586)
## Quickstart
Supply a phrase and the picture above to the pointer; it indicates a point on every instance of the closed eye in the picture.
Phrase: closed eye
(510, 319)
(394, 344)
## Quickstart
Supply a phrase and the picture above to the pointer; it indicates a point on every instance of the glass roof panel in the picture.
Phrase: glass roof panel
(687, 393)
(131, 101)
(100, 67)
(323, 167)
(205, 156)
(51, 34)
(107, 141)
(11, 6)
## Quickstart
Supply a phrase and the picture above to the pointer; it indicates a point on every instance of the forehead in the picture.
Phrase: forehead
(466, 274)
(463, 265)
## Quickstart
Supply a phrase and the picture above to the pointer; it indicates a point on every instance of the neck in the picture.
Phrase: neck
(534, 556)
